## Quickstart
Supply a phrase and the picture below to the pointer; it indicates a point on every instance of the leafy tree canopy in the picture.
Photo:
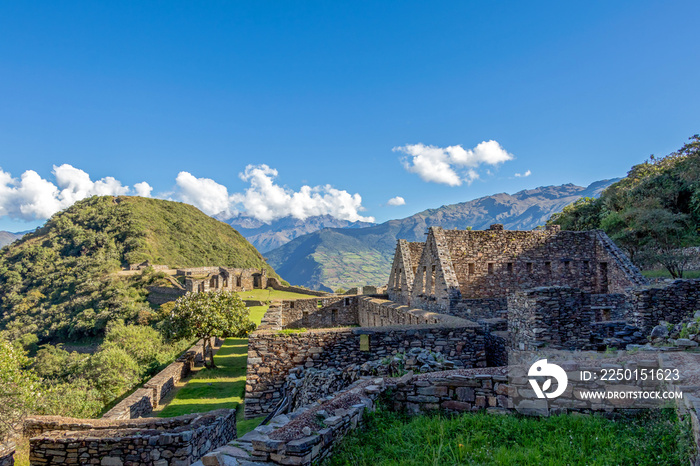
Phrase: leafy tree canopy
(653, 213)
(207, 315)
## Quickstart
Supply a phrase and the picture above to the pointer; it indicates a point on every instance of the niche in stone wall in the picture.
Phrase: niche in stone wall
(364, 342)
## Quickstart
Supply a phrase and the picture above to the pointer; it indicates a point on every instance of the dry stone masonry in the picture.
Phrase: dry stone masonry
(154, 442)
(455, 265)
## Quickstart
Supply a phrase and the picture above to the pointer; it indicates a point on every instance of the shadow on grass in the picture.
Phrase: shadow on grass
(222, 387)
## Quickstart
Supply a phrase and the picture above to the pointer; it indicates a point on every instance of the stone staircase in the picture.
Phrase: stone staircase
(239, 452)
(622, 260)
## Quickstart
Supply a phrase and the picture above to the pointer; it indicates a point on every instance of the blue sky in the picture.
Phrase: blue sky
(324, 93)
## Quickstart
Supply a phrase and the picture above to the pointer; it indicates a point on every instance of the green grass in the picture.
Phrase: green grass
(388, 438)
(663, 273)
(257, 312)
(218, 388)
(269, 294)
(243, 426)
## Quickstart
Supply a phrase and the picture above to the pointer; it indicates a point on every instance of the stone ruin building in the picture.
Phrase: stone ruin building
(454, 269)
(202, 279)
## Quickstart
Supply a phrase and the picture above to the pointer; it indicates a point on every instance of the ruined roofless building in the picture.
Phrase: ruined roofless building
(457, 265)
(204, 279)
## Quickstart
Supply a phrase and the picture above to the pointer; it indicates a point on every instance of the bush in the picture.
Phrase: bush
(113, 372)
(18, 387)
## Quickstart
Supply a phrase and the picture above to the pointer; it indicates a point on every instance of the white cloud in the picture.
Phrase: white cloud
(143, 189)
(33, 198)
(451, 165)
(204, 193)
(267, 201)
(523, 175)
(398, 200)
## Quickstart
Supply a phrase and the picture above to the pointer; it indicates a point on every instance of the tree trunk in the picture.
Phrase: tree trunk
(211, 354)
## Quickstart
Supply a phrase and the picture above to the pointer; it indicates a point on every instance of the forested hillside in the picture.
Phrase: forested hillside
(653, 213)
(58, 282)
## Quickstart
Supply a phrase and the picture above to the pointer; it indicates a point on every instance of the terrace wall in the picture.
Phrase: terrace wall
(174, 441)
(271, 355)
(555, 317)
(671, 303)
(7, 455)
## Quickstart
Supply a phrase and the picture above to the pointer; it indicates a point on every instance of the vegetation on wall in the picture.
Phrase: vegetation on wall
(653, 213)
(58, 283)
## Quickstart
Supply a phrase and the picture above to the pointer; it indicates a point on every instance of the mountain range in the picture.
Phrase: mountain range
(266, 237)
(333, 258)
(7, 237)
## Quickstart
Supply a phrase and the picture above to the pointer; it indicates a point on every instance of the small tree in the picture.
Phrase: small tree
(18, 387)
(207, 315)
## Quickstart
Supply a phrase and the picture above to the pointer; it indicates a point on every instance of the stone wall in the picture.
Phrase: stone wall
(163, 294)
(403, 269)
(138, 404)
(143, 441)
(552, 317)
(163, 382)
(612, 306)
(463, 264)
(271, 355)
(7, 455)
(37, 425)
(303, 441)
(483, 308)
(671, 303)
(223, 279)
(144, 399)
(616, 273)
(197, 271)
(273, 283)
(374, 312)
(321, 312)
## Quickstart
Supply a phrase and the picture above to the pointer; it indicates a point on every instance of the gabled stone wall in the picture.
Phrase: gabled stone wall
(403, 270)
(435, 287)
(459, 265)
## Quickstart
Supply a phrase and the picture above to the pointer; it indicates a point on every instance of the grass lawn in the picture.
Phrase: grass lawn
(223, 387)
(388, 438)
(663, 273)
(218, 388)
(269, 294)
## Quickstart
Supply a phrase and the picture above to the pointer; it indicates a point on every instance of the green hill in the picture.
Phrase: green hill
(59, 281)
